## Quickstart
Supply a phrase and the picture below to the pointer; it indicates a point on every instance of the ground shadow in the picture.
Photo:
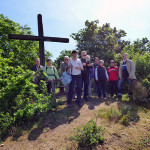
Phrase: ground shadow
(62, 116)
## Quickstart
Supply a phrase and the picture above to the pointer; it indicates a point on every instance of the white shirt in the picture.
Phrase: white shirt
(75, 63)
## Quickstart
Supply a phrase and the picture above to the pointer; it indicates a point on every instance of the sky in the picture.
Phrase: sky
(61, 18)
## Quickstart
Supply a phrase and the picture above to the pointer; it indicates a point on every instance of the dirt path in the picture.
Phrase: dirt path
(54, 132)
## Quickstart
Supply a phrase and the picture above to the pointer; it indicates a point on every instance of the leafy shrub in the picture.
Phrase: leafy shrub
(140, 92)
(125, 120)
(123, 115)
(110, 114)
(89, 134)
(20, 99)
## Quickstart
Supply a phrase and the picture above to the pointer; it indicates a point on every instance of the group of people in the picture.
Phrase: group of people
(83, 72)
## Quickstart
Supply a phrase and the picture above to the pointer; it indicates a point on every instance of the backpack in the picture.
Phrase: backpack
(53, 70)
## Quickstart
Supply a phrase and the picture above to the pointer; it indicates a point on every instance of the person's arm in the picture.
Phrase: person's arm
(120, 71)
(61, 69)
(96, 77)
(56, 73)
(44, 70)
(117, 70)
(106, 74)
(132, 73)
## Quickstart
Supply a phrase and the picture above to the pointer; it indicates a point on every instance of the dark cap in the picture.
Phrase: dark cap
(74, 51)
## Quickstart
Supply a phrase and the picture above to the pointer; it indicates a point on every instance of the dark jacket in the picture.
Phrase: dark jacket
(34, 68)
(86, 68)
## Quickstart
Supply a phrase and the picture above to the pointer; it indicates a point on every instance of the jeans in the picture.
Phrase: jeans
(113, 87)
(85, 83)
(78, 80)
(120, 85)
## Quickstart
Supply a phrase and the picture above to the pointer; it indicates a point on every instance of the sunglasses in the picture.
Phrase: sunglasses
(112, 62)
(66, 59)
(83, 55)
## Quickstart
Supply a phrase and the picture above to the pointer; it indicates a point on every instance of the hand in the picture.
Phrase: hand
(77, 68)
(59, 79)
(97, 80)
(50, 80)
(120, 78)
(70, 65)
(129, 78)
(108, 79)
(89, 65)
(84, 64)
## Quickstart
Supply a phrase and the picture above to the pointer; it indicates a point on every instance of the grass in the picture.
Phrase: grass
(121, 132)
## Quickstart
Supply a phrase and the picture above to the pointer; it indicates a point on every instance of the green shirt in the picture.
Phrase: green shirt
(51, 72)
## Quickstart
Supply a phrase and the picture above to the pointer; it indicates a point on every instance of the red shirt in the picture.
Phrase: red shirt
(113, 72)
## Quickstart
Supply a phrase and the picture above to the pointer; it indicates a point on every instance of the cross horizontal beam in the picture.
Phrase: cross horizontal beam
(38, 38)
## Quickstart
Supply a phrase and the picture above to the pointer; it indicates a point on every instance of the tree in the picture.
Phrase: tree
(22, 52)
(101, 41)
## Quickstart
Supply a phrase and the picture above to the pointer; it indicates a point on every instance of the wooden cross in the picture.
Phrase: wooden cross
(41, 38)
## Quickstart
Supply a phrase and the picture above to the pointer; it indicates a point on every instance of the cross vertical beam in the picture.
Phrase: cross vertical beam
(41, 42)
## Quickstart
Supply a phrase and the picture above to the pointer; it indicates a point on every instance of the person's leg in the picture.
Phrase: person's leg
(100, 88)
(79, 88)
(111, 88)
(86, 85)
(115, 87)
(120, 84)
(71, 90)
(67, 90)
(90, 87)
(129, 89)
(103, 88)
(97, 85)
(48, 87)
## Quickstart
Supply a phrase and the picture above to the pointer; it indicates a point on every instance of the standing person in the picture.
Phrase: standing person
(63, 68)
(90, 77)
(52, 75)
(37, 65)
(64, 65)
(113, 78)
(75, 67)
(126, 73)
(101, 76)
(95, 65)
(85, 73)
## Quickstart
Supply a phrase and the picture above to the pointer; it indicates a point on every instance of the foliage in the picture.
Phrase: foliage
(123, 115)
(89, 134)
(100, 41)
(21, 100)
(140, 92)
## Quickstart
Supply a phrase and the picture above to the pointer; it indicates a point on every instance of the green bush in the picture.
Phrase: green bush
(20, 99)
(89, 134)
